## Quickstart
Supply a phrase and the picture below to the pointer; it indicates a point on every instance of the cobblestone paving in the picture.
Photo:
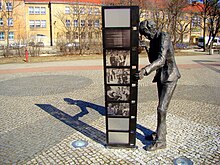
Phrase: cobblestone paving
(39, 129)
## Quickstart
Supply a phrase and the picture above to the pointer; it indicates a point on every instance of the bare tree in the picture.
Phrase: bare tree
(175, 12)
(210, 12)
(183, 28)
(81, 26)
(213, 24)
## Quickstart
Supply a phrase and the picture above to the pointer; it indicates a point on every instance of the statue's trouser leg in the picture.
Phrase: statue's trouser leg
(165, 92)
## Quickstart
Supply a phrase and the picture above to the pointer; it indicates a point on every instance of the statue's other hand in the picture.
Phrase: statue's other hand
(139, 75)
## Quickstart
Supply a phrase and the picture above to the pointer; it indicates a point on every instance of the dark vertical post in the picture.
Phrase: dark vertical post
(51, 31)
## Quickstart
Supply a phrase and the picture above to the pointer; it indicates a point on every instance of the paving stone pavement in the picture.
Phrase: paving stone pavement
(41, 113)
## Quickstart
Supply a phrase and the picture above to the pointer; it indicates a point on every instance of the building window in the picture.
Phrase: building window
(67, 10)
(43, 10)
(89, 11)
(96, 23)
(8, 6)
(1, 22)
(2, 35)
(90, 23)
(75, 23)
(31, 23)
(43, 23)
(37, 24)
(11, 35)
(10, 21)
(0, 5)
(82, 10)
(76, 35)
(83, 23)
(75, 10)
(67, 23)
(83, 35)
(196, 21)
(37, 10)
(96, 11)
(31, 10)
(90, 34)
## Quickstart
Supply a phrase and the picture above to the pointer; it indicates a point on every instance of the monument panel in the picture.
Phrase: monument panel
(120, 51)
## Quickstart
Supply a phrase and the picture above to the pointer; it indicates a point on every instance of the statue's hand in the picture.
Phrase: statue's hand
(139, 75)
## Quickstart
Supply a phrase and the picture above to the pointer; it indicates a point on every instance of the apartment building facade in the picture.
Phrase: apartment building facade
(12, 21)
(56, 22)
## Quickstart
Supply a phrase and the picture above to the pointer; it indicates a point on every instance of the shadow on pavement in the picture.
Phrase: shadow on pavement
(208, 64)
(146, 132)
(74, 122)
(87, 130)
(84, 105)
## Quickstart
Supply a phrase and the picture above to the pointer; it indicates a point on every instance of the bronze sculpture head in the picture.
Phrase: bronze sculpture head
(148, 29)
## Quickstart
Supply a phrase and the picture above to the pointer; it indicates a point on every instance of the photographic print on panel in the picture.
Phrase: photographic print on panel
(118, 76)
(118, 109)
(117, 38)
(118, 93)
(122, 21)
(118, 137)
(116, 124)
(117, 57)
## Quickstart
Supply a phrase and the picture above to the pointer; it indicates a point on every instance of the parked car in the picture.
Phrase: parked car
(39, 44)
(31, 44)
(2, 47)
(72, 44)
(16, 45)
(69, 46)
(201, 40)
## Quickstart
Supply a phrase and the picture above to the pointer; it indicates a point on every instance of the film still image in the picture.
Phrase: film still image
(118, 76)
(117, 58)
(118, 93)
(117, 38)
(118, 109)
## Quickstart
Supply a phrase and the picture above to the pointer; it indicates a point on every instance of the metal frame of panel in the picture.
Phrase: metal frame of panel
(120, 51)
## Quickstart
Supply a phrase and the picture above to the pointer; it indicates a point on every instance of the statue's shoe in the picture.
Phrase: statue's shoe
(155, 146)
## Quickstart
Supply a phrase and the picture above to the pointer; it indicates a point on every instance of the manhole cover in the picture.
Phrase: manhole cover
(182, 161)
(79, 143)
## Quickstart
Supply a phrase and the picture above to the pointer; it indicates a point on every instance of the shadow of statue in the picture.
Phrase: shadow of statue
(75, 122)
(142, 137)
(83, 105)
(87, 130)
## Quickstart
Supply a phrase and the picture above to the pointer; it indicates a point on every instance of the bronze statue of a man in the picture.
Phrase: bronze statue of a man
(161, 58)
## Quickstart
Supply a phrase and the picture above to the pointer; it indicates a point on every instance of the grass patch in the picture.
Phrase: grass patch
(38, 59)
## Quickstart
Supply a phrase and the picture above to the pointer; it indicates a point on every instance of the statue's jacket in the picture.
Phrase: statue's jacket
(161, 58)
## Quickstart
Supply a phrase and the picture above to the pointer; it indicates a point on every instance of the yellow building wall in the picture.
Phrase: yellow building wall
(19, 24)
(59, 17)
(58, 30)
(38, 34)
